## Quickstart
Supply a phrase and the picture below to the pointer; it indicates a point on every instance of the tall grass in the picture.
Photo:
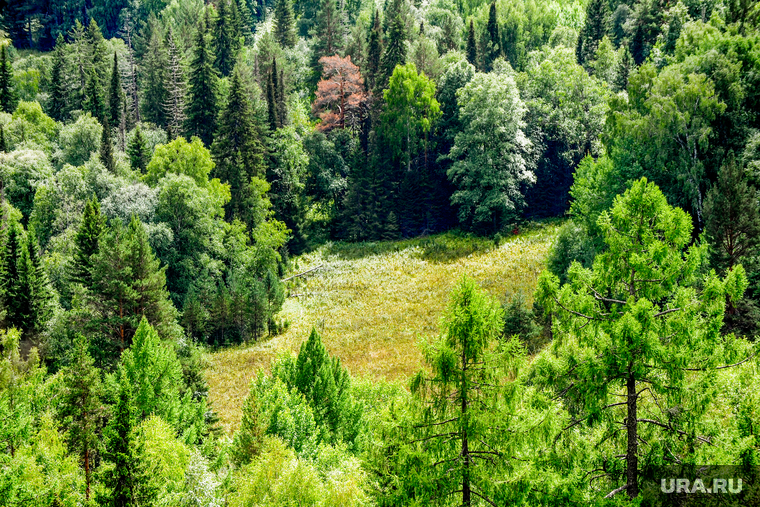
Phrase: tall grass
(371, 302)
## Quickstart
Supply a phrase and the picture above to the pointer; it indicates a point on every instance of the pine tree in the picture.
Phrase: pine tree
(237, 149)
(154, 70)
(7, 94)
(201, 105)
(394, 44)
(81, 406)
(119, 448)
(472, 47)
(284, 24)
(226, 38)
(593, 31)
(271, 103)
(86, 243)
(115, 101)
(493, 48)
(106, 149)
(175, 88)
(58, 91)
(374, 51)
(137, 150)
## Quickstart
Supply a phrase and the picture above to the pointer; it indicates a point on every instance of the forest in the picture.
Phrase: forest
(165, 166)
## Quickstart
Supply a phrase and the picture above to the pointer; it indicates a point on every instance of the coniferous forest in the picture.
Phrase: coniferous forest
(164, 165)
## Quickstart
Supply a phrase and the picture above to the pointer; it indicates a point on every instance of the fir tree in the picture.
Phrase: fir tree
(394, 44)
(137, 150)
(201, 105)
(10, 277)
(282, 107)
(625, 66)
(493, 44)
(39, 285)
(272, 103)
(96, 50)
(284, 24)
(237, 149)
(593, 31)
(155, 66)
(328, 36)
(249, 439)
(93, 100)
(119, 448)
(374, 51)
(106, 149)
(86, 243)
(226, 37)
(472, 47)
(7, 94)
(3, 143)
(81, 406)
(58, 92)
(115, 100)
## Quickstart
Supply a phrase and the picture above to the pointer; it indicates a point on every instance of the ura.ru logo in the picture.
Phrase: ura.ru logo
(698, 486)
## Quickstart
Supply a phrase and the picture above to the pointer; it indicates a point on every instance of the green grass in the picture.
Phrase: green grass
(372, 301)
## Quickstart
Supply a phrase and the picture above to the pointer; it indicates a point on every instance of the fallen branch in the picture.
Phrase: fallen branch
(301, 274)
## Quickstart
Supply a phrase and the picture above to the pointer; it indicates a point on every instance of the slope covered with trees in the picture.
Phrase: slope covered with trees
(164, 163)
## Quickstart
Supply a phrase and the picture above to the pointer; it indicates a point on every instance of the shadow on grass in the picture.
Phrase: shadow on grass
(439, 248)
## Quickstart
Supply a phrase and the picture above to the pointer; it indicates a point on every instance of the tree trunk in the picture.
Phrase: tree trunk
(465, 448)
(632, 460)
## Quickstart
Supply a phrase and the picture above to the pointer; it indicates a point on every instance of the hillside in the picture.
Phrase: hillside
(371, 302)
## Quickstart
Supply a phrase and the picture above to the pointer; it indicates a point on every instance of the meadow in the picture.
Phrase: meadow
(371, 302)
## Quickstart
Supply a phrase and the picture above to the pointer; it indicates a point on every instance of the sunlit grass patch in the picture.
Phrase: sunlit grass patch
(371, 301)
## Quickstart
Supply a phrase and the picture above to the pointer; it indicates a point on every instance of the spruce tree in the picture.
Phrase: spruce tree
(86, 243)
(119, 448)
(282, 106)
(137, 150)
(58, 93)
(625, 67)
(201, 104)
(226, 38)
(284, 24)
(328, 36)
(394, 44)
(593, 31)
(237, 149)
(106, 149)
(3, 143)
(374, 50)
(10, 277)
(115, 95)
(96, 50)
(249, 439)
(493, 45)
(81, 407)
(271, 103)
(154, 71)
(7, 95)
(39, 284)
(472, 47)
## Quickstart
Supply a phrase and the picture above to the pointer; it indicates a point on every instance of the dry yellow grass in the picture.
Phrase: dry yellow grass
(371, 302)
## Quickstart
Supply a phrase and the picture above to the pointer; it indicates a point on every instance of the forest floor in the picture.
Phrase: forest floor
(371, 302)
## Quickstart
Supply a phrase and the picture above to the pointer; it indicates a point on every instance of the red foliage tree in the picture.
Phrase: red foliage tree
(340, 94)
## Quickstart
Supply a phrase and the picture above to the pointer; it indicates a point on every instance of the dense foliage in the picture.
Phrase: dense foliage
(163, 161)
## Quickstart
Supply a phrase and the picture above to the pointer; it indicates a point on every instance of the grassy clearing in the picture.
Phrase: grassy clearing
(372, 301)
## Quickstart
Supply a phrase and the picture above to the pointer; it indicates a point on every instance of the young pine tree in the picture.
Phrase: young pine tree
(7, 94)
(249, 439)
(81, 407)
(137, 150)
(58, 90)
(201, 104)
(284, 24)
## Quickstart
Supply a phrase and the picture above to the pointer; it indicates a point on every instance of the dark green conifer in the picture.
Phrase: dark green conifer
(282, 107)
(472, 47)
(39, 285)
(58, 92)
(119, 448)
(394, 43)
(10, 277)
(201, 105)
(226, 37)
(374, 50)
(106, 149)
(625, 66)
(155, 68)
(284, 24)
(3, 143)
(137, 150)
(237, 149)
(271, 103)
(115, 95)
(93, 100)
(493, 48)
(86, 243)
(593, 31)
(7, 95)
